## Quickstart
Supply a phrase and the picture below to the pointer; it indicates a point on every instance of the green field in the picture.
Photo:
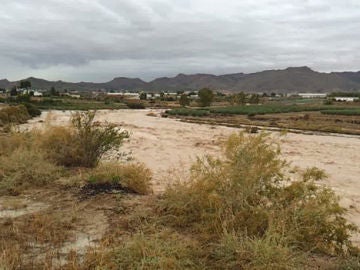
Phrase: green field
(67, 104)
(245, 110)
(265, 109)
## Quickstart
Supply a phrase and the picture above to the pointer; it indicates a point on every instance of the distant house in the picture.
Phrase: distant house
(312, 95)
(72, 95)
(38, 94)
(346, 99)
(114, 94)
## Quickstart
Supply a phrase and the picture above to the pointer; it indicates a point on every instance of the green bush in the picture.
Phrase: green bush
(248, 194)
(82, 144)
(32, 109)
(135, 105)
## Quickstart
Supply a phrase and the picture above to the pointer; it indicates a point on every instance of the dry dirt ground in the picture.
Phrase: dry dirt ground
(169, 147)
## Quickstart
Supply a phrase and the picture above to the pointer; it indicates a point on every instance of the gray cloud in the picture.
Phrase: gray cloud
(95, 40)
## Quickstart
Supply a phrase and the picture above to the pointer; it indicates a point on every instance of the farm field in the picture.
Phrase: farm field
(339, 119)
(68, 223)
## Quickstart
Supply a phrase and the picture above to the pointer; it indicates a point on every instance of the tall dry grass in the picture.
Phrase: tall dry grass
(135, 177)
(25, 168)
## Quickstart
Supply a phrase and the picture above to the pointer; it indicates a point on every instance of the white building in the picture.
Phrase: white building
(38, 94)
(312, 95)
(346, 99)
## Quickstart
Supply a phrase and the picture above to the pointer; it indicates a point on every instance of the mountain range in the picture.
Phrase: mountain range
(289, 80)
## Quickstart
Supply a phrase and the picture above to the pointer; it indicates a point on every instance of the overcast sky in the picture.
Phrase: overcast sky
(96, 40)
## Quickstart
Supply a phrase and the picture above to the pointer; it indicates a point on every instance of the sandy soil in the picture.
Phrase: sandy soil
(169, 147)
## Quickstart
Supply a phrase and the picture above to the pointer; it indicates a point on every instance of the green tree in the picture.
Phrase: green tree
(53, 91)
(240, 98)
(25, 84)
(13, 91)
(254, 99)
(184, 100)
(206, 96)
(143, 96)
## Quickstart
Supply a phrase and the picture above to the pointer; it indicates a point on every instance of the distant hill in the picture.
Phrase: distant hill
(4, 83)
(292, 79)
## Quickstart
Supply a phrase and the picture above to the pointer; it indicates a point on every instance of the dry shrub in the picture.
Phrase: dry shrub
(152, 114)
(14, 115)
(135, 176)
(230, 192)
(25, 167)
(59, 145)
(82, 144)
(246, 193)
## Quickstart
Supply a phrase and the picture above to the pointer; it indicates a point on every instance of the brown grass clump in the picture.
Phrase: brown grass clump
(264, 253)
(134, 177)
(165, 250)
(25, 167)
(152, 114)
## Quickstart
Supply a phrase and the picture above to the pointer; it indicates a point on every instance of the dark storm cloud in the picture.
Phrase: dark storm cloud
(96, 40)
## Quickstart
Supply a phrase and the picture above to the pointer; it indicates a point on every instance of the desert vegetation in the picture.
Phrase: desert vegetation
(245, 209)
(259, 110)
(84, 143)
(37, 157)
